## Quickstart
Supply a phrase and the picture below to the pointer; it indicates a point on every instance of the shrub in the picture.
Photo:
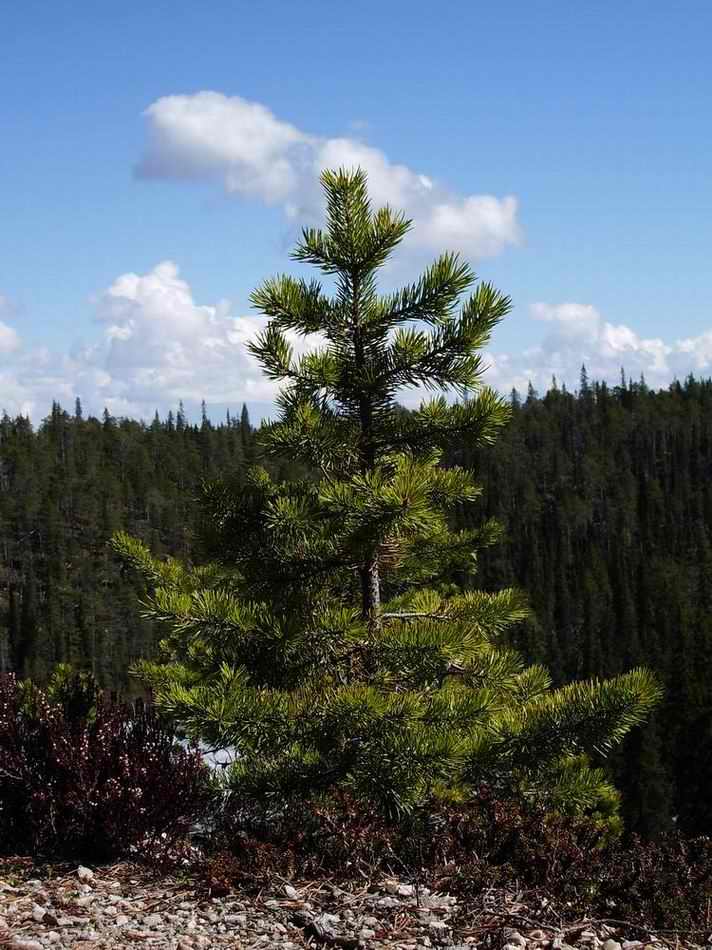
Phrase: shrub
(90, 786)
(570, 865)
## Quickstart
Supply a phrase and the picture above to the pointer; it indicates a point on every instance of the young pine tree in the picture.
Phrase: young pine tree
(326, 641)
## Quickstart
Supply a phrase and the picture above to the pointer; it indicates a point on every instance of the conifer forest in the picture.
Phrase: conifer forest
(604, 495)
(590, 512)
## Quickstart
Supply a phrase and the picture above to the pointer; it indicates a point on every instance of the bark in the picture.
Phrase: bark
(370, 580)
(371, 591)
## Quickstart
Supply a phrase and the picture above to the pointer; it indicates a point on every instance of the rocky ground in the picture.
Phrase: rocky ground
(120, 907)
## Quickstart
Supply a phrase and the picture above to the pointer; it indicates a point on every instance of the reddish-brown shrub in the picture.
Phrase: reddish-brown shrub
(568, 864)
(90, 787)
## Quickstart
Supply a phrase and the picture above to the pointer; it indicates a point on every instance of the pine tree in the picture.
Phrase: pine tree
(180, 417)
(326, 642)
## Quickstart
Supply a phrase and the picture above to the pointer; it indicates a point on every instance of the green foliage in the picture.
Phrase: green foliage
(606, 508)
(328, 644)
(75, 691)
(66, 486)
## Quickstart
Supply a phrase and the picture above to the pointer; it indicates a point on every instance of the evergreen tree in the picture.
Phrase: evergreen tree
(410, 693)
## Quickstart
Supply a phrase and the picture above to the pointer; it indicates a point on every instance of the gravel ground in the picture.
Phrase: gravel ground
(119, 907)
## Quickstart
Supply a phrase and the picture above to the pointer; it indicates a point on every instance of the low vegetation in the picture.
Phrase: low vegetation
(90, 780)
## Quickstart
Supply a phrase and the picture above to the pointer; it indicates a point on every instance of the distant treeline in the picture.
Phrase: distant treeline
(605, 495)
(65, 488)
(606, 500)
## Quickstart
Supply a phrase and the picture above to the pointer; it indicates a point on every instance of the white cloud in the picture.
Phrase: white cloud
(9, 338)
(162, 346)
(578, 334)
(159, 345)
(208, 135)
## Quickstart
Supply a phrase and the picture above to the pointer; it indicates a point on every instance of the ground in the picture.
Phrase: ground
(124, 906)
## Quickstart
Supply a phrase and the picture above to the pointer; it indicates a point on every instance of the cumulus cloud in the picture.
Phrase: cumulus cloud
(579, 334)
(159, 342)
(9, 338)
(158, 345)
(254, 154)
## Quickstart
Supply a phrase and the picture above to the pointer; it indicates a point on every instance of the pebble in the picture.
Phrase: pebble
(110, 915)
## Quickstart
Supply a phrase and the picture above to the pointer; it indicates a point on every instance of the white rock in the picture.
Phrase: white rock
(19, 943)
(122, 920)
(153, 920)
(405, 890)
(611, 945)
(290, 892)
(366, 933)
(389, 902)
(53, 936)
(38, 913)
(85, 874)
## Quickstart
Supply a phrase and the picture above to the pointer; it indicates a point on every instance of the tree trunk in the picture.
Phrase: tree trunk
(370, 580)
(371, 591)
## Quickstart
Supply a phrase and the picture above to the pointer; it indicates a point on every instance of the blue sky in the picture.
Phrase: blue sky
(155, 160)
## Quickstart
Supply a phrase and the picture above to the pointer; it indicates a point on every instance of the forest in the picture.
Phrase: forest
(604, 495)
